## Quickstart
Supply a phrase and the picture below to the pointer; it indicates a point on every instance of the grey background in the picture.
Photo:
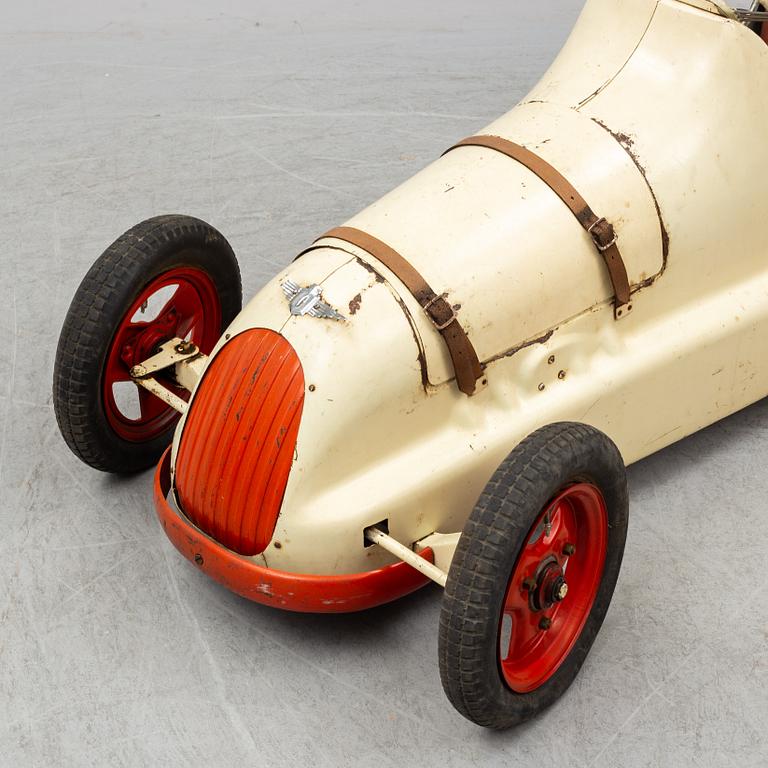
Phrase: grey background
(274, 121)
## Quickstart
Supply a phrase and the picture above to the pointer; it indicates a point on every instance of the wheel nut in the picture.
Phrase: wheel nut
(529, 584)
(568, 550)
(545, 623)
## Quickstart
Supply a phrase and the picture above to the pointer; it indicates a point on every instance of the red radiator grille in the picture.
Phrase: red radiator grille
(239, 438)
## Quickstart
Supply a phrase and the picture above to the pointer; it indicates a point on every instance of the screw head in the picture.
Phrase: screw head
(561, 375)
(569, 549)
(551, 359)
(545, 623)
(542, 386)
(185, 347)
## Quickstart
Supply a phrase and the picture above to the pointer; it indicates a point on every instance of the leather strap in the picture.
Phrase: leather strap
(437, 308)
(599, 229)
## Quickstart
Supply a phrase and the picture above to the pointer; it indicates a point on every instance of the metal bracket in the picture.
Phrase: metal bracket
(172, 352)
(443, 546)
(377, 536)
(621, 310)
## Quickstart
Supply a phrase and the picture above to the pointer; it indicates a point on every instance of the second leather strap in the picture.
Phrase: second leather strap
(599, 229)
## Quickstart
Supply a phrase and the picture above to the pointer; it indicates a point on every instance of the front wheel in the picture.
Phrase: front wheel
(533, 575)
(170, 276)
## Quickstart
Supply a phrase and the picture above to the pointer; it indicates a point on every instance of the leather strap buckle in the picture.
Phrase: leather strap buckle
(431, 303)
(601, 231)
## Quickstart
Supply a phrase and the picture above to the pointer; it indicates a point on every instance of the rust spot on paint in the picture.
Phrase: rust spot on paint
(354, 305)
(539, 340)
(366, 265)
(627, 143)
(421, 355)
(624, 139)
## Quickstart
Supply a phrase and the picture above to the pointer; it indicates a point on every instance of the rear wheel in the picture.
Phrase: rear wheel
(166, 277)
(533, 575)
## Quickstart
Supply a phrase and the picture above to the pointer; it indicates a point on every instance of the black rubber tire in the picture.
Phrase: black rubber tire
(543, 464)
(106, 293)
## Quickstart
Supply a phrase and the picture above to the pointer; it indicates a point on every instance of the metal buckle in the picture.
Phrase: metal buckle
(595, 239)
(440, 326)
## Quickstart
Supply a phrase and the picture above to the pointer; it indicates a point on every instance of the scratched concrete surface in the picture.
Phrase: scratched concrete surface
(274, 121)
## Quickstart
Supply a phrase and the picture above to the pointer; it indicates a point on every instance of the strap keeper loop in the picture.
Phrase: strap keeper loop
(431, 303)
(599, 237)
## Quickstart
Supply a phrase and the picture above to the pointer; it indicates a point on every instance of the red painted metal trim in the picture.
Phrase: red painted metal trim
(300, 592)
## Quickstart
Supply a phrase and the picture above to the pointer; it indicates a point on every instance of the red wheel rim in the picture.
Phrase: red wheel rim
(541, 620)
(193, 312)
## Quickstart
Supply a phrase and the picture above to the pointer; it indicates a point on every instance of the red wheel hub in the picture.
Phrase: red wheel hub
(553, 587)
(192, 310)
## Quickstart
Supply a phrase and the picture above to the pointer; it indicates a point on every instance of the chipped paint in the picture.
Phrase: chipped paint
(627, 143)
(365, 265)
(514, 350)
(421, 355)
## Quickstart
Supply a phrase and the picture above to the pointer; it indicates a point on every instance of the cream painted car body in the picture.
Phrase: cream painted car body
(656, 112)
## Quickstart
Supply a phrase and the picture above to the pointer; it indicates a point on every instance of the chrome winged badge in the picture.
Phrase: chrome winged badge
(308, 301)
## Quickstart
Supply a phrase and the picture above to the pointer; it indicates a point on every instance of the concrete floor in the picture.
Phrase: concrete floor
(274, 121)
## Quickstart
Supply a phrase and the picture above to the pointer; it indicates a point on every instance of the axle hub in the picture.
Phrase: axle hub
(551, 587)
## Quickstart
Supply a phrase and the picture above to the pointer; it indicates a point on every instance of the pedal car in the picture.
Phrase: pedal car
(450, 385)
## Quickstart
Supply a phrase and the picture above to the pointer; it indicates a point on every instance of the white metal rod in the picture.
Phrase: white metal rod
(163, 393)
(402, 552)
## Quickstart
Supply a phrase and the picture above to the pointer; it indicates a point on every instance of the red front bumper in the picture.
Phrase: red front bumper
(290, 591)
